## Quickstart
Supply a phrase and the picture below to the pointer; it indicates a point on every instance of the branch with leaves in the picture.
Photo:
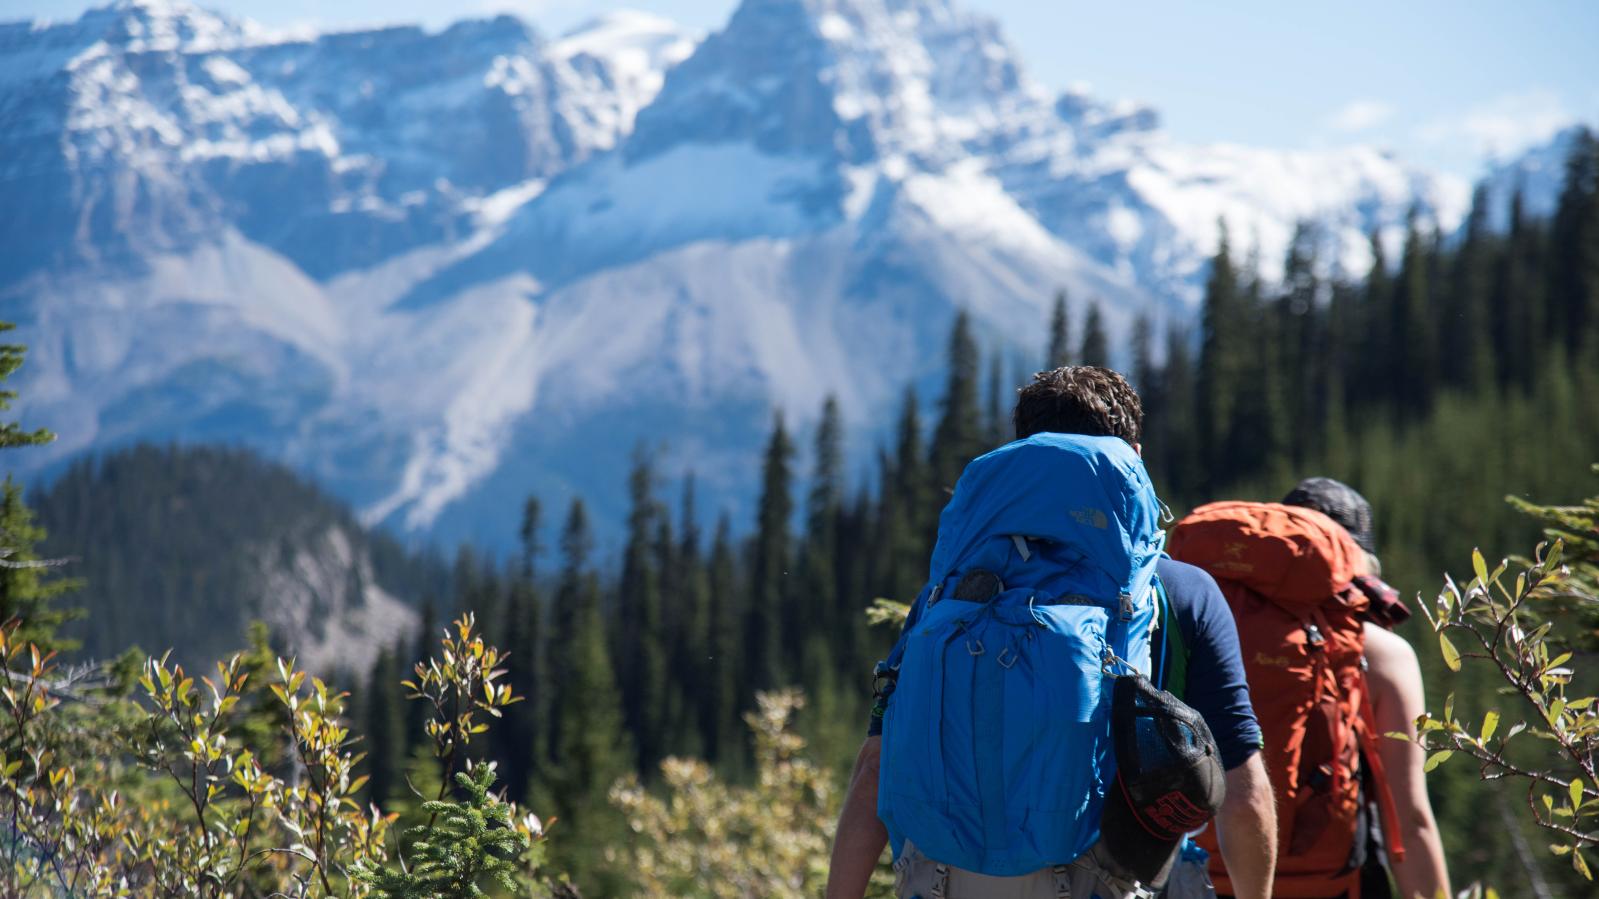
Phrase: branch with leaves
(1519, 626)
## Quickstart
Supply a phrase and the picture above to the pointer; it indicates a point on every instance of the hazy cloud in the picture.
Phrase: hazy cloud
(1502, 126)
(1360, 115)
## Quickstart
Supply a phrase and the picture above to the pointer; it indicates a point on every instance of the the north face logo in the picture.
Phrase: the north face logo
(1090, 517)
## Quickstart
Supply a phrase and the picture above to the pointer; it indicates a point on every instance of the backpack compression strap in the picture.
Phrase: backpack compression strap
(1379, 775)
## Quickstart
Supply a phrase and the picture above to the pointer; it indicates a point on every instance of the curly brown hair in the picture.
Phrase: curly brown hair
(1079, 399)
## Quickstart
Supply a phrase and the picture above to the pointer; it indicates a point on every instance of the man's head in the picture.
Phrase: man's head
(1079, 399)
(1340, 502)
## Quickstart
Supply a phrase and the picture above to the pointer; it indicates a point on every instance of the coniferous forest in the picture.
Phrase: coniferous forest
(1457, 370)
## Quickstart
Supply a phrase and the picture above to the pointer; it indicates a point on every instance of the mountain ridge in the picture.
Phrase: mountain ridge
(626, 234)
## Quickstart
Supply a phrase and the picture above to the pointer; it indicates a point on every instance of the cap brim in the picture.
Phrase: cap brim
(1134, 851)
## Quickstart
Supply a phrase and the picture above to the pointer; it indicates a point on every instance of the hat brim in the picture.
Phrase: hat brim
(1133, 850)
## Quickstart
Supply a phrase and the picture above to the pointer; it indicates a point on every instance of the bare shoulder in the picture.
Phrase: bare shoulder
(1392, 666)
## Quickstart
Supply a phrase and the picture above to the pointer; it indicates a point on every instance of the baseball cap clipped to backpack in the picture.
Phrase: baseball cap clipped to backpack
(1169, 780)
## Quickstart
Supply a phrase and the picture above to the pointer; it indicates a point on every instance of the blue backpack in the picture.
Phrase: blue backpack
(996, 745)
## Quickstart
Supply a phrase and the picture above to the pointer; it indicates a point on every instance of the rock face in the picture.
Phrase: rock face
(324, 602)
(440, 270)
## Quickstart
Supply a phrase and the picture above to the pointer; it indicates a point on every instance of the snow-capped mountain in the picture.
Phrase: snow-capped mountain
(440, 270)
(1538, 173)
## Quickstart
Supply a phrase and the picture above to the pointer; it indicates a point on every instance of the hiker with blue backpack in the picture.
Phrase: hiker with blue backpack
(1064, 705)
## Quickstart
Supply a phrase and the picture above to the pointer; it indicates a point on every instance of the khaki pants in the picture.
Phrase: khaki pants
(916, 875)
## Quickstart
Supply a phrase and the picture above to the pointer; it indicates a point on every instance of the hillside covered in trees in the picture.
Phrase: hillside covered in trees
(184, 547)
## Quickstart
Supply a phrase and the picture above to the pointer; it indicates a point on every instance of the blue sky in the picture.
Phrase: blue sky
(1443, 84)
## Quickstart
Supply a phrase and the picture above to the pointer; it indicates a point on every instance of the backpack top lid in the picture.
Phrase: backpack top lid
(1089, 492)
(1291, 554)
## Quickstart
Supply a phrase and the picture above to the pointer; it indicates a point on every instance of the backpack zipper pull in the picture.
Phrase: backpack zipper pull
(1313, 636)
(1127, 607)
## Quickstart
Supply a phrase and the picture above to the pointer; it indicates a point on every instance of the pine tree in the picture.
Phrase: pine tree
(1223, 357)
(958, 438)
(1177, 443)
(692, 648)
(30, 585)
(1145, 377)
(770, 589)
(11, 433)
(719, 690)
(1413, 325)
(640, 654)
(905, 509)
(1574, 249)
(385, 730)
(1518, 308)
(416, 713)
(589, 747)
(521, 733)
(998, 418)
(1096, 348)
(1468, 350)
(1060, 335)
(817, 607)
(1376, 374)
(1298, 345)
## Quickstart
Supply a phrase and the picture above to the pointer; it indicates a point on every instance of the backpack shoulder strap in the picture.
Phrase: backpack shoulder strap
(1169, 660)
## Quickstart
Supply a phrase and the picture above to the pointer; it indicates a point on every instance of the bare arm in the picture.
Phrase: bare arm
(1247, 829)
(1395, 679)
(861, 836)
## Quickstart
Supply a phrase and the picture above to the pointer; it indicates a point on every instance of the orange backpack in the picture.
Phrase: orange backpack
(1287, 572)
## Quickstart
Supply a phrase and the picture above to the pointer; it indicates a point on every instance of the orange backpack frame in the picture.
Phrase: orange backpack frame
(1287, 573)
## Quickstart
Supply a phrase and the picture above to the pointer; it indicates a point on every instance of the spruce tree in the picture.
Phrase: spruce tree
(1574, 249)
(817, 607)
(906, 510)
(1413, 326)
(1096, 348)
(29, 585)
(1468, 356)
(1223, 358)
(998, 417)
(11, 434)
(385, 730)
(770, 586)
(1519, 306)
(719, 693)
(521, 732)
(692, 648)
(427, 635)
(589, 747)
(1145, 377)
(640, 653)
(1377, 347)
(958, 438)
(1060, 334)
(1178, 444)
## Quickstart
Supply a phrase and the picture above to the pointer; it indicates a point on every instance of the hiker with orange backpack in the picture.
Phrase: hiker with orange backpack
(1303, 596)
(1001, 760)
(1394, 677)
